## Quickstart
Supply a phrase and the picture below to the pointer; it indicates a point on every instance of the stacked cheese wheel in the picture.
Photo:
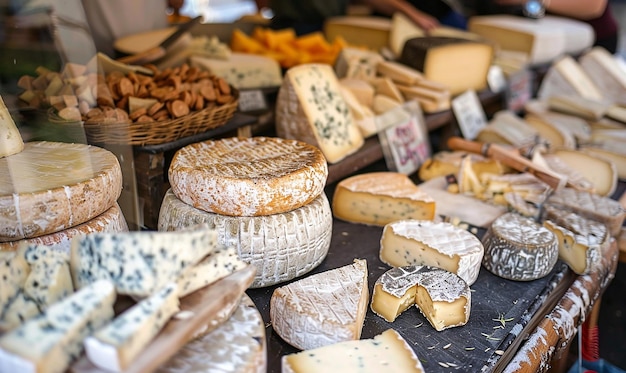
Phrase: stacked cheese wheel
(51, 191)
(264, 196)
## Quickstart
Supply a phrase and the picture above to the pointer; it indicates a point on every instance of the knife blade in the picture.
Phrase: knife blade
(154, 53)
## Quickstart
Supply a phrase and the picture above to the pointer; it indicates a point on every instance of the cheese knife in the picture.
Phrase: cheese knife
(154, 53)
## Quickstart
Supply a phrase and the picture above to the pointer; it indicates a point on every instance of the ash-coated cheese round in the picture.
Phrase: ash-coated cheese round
(237, 346)
(112, 220)
(52, 186)
(248, 176)
(281, 246)
(517, 248)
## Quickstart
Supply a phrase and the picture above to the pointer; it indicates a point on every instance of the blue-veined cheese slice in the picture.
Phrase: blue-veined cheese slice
(11, 140)
(280, 246)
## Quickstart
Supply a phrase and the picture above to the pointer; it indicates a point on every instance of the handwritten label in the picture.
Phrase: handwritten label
(519, 90)
(405, 144)
(469, 114)
(252, 100)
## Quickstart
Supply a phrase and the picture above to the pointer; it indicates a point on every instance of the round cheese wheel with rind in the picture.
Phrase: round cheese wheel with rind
(238, 346)
(281, 246)
(517, 248)
(248, 176)
(112, 220)
(52, 186)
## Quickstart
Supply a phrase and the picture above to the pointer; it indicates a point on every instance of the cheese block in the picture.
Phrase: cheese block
(555, 135)
(19, 308)
(236, 346)
(581, 240)
(459, 64)
(10, 138)
(139, 262)
(112, 220)
(365, 31)
(322, 309)
(591, 206)
(387, 351)
(435, 244)
(402, 29)
(50, 279)
(386, 87)
(51, 186)
(280, 246)
(446, 162)
(310, 108)
(567, 77)
(383, 104)
(361, 89)
(378, 198)
(114, 346)
(51, 341)
(14, 270)
(542, 44)
(357, 63)
(517, 248)
(248, 176)
(602, 67)
(508, 129)
(217, 265)
(443, 297)
(242, 70)
(615, 154)
(601, 172)
(569, 103)
(575, 178)
(399, 73)
(363, 116)
(579, 127)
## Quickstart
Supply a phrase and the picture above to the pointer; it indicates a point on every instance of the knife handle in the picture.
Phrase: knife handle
(141, 58)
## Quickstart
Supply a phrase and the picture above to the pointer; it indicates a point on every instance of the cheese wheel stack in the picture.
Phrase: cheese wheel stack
(52, 191)
(264, 196)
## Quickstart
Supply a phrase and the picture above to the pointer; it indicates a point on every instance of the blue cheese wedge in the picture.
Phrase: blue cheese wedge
(13, 271)
(49, 279)
(115, 346)
(139, 263)
(51, 341)
(17, 309)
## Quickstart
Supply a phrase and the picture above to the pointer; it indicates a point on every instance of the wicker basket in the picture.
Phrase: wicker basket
(160, 132)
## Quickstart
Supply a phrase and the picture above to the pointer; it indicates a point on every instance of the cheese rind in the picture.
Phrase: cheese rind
(387, 351)
(243, 70)
(248, 176)
(519, 249)
(378, 198)
(10, 138)
(52, 340)
(435, 244)
(443, 297)
(357, 63)
(115, 346)
(323, 308)
(139, 262)
(52, 186)
(600, 172)
(280, 246)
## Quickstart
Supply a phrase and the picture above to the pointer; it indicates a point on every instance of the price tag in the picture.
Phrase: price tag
(469, 114)
(496, 79)
(252, 100)
(519, 90)
(405, 144)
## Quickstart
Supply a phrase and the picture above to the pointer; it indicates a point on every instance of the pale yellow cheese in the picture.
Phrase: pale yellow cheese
(557, 136)
(362, 90)
(508, 128)
(357, 63)
(378, 198)
(369, 31)
(363, 116)
(590, 109)
(399, 73)
(603, 68)
(402, 29)
(386, 86)
(10, 138)
(383, 104)
(612, 154)
(601, 172)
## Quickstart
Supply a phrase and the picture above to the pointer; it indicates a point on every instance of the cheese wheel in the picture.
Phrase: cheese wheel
(517, 248)
(248, 177)
(112, 220)
(435, 244)
(52, 186)
(281, 246)
(322, 309)
(237, 345)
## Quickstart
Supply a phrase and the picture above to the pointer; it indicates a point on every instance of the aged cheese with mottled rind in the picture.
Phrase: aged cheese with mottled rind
(378, 198)
(51, 186)
(435, 244)
(248, 176)
(281, 246)
(322, 309)
(442, 296)
(517, 248)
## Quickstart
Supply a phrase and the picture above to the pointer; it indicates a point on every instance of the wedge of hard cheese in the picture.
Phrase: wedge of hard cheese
(10, 138)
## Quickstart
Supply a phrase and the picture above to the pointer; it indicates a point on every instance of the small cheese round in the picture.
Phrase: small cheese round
(517, 248)
(281, 246)
(52, 186)
(248, 176)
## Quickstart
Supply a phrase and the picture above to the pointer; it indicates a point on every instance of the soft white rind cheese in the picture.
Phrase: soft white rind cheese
(386, 352)
(114, 346)
(52, 340)
(243, 70)
(310, 108)
(138, 262)
(322, 309)
(280, 246)
(517, 248)
(10, 138)
(248, 176)
(51, 186)
(435, 244)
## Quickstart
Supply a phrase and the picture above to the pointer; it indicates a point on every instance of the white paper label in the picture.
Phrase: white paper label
(496, 79)
(252, 100)
(469, 114)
